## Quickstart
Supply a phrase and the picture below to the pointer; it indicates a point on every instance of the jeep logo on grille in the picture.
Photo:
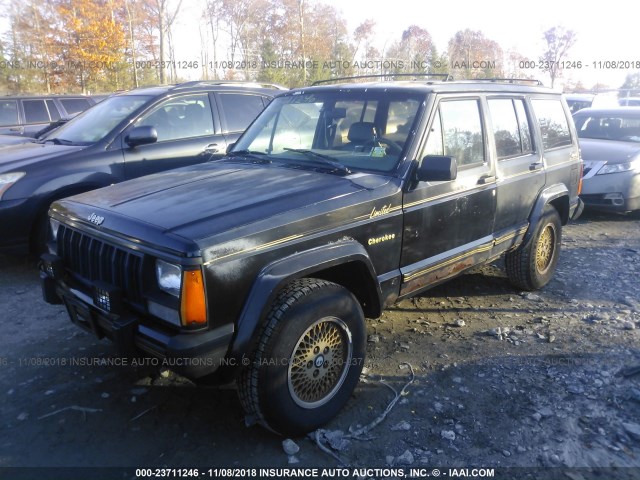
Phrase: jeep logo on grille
(97, 219)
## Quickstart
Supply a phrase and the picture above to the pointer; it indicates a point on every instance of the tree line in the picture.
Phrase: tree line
(94, 46)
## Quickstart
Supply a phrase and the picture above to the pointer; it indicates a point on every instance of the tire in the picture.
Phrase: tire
(308, 358)
(532, 265)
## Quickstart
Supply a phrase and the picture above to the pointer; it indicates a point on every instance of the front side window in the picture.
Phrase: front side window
(181, 117)
(8, 113)
(366, 130)
(457, 132)
(554, 125)
(75, 105)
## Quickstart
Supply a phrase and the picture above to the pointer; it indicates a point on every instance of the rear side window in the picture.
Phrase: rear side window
(8, 113)
(554, 125)
(53, 110)
(75, 105)
(457, 132)
(510, 127)
(35, 111)
(240, 109)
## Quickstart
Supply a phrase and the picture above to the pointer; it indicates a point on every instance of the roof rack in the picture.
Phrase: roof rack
(509, 80)
(444, 76)
(230, 83)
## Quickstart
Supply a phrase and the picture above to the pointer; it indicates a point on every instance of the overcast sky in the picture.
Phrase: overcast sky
(605, 32)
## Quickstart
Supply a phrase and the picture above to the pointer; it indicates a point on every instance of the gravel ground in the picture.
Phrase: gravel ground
(493, 378)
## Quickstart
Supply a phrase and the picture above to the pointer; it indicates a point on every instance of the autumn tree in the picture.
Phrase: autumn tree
(558, 42)
(413, 53)
(472, 55)
(164, 13)
(363, 35)
(92, 41)
(631, 85)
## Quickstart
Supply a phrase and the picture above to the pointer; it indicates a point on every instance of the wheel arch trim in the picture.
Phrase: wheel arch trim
(275, 275)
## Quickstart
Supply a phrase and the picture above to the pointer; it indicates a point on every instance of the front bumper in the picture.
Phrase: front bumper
(618, 192)
(193, 354)
(16, 214)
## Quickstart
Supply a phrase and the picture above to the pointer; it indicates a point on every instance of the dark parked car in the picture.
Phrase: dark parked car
(610, 145)
(125, 136)
(336, 202)
(28, 115)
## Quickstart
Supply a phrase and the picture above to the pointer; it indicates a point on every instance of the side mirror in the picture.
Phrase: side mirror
(230, 147)
(143, 135)
(437, 168)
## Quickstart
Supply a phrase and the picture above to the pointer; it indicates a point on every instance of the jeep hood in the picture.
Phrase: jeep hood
(204, 200)
(611, 151)
(15, 157)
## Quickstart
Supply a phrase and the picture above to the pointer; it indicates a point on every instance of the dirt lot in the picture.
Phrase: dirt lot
(502, 379)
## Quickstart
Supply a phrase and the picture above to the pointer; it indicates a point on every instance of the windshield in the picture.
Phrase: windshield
(94, 124)
(339, 130)
(618, 126)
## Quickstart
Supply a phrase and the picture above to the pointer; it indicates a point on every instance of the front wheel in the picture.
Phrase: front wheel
(532, 265)
(308, 359)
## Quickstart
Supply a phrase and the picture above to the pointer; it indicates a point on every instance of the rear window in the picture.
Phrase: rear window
(603, 126)
(554, 125)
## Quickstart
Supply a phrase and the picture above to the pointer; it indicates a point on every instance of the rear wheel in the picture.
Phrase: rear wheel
(308, 359)
(533, 264)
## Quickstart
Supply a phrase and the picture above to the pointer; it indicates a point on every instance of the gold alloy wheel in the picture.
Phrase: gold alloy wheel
(545, 249)
(320, 362)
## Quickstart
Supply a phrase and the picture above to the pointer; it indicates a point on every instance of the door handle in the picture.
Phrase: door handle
(16, 129)
(210, 149)
(484, 179)
(535, 166)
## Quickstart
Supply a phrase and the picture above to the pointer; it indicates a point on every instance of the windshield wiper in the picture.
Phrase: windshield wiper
(326, 159)
(57, 141)
(249, 154)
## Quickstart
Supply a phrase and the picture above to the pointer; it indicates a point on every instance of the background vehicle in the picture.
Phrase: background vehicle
(610, 145)
(629, 102)
(578, 101)
(125, 136)
(336, 202)
(27, 115)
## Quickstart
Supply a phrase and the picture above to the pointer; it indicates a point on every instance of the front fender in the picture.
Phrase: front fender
(301, 264)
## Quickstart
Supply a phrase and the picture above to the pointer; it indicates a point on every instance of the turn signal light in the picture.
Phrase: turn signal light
(193, 307)
(580, 180)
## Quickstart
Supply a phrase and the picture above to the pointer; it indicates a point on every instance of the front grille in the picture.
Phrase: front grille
(94, 260)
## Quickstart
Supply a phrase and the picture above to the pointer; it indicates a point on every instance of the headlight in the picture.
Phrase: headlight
(8, 179)
(169, 277)
(619, 167)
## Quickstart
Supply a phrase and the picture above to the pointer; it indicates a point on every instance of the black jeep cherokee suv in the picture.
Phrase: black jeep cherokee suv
(128, 135)
(335, 203)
